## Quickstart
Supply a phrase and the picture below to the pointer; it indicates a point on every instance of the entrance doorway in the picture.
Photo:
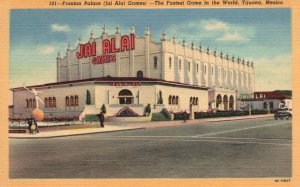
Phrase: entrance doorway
(125, 97)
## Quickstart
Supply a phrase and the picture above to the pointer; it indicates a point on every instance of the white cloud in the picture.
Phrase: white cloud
(232, 37)
(60, 28)
(218, 25)
(229, 32)
(212, 29)
(46, 50)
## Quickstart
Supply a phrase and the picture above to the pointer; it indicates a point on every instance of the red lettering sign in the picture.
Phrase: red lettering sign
(86, 50)
(125, 84)
(108, 46)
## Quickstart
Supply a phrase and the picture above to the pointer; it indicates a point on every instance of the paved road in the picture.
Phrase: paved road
(246, 148)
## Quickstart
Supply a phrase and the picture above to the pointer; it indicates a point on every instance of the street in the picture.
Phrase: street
(228, 149)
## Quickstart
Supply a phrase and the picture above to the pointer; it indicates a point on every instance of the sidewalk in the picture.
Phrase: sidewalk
(119, 126)
(71, 132)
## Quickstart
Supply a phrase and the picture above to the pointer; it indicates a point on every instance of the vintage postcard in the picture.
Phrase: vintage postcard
(149, 93)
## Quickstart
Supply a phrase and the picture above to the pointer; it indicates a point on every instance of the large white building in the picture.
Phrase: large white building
(130, 71)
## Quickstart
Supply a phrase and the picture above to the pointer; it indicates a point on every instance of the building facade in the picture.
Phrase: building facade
(266, 100)
(136, 71)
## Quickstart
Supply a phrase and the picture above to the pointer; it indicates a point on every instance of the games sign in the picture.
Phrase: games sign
(109, 49)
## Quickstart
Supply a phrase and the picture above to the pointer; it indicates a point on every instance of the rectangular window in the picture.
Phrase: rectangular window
(197, 68)
(179, 64)
(155, 62)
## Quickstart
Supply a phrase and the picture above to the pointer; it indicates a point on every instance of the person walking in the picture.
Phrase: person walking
(36, 125)
(184, 116)
(29, 122)
(101, 119)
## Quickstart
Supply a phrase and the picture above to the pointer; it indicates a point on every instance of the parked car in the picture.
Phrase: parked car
(287, 114)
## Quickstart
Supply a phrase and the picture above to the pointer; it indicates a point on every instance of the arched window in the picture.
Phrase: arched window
(46, 102)
(50, 102)
(177, 100)
(265, 105)
(170, 100)
(197, 101)
(173, 100)
(155, 62)
(54, 102)
(225, 101)
(219, 100)
(30, 102)
(140, 74)
(170, 62)
(197, 68)
(67, 101)
(125, 97)
(191, 100)
(194, 100)
(231, 103)
(76, 100)
(34, 102)
(72, 100)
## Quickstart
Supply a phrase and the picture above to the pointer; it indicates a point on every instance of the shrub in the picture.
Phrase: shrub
(199, 115)
(179, 116)
(88, 98)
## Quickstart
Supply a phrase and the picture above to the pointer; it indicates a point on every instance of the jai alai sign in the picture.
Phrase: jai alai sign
(127, 43)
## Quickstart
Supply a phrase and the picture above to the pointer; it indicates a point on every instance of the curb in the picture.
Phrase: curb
(58, 136)
(203, 120)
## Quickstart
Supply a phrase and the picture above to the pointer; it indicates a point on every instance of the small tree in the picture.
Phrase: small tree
(103, 109)
(160, 99)
(88, 98)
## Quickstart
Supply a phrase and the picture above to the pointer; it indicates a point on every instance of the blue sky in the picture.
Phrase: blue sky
(261, 35)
